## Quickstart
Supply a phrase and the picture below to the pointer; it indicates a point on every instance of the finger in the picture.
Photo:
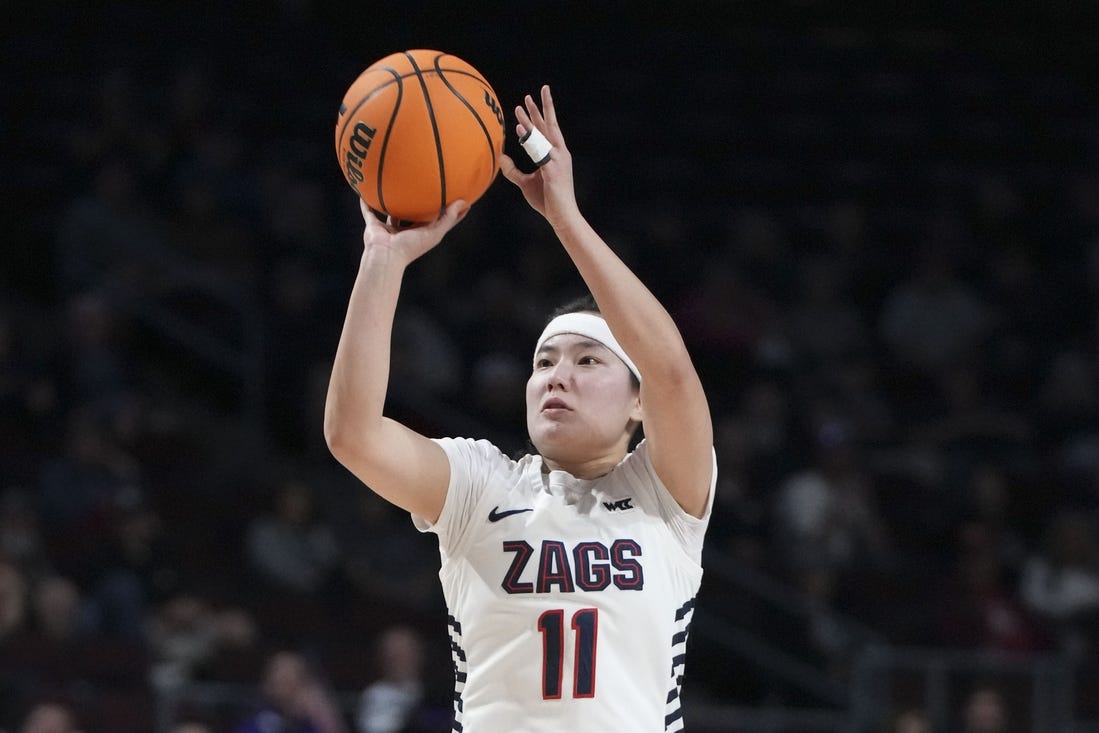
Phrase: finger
(548, 110)
(370, 217)
(523, 121)
(458, 210)
(511, 171)
(450, 216)
(534, 112)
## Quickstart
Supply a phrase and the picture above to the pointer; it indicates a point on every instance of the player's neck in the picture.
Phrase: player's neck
(587, 469)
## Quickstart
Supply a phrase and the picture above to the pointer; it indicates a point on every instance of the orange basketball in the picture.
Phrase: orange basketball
(418, 130)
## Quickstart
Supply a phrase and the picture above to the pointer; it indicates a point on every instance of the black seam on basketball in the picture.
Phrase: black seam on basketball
(385, 143)
(434, 128)
(398, 79)
(377, 90)
(472, 111)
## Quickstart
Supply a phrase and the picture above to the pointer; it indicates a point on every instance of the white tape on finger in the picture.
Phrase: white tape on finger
(536, 146)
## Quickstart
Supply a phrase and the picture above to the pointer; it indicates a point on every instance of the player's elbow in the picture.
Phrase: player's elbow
(340, 436)
(336, 441)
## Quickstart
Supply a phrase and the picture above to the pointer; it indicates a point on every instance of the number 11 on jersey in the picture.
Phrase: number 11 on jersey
(585, 628)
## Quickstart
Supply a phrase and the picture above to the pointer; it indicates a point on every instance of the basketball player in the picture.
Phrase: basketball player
(570, 575)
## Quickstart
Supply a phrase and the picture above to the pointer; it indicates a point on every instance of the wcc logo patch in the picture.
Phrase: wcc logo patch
(620, 505)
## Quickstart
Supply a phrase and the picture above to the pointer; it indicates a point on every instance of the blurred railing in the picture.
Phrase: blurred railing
(1038, 690)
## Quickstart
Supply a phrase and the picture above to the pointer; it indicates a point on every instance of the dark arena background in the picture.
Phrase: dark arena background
(877, 227)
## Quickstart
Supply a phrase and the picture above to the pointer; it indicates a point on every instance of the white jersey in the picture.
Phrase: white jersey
(569, 599)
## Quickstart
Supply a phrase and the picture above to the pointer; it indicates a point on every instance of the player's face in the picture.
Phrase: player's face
(581, 400)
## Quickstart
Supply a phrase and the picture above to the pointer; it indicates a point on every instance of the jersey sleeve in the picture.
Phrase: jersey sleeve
(472, 463)
(688, 529)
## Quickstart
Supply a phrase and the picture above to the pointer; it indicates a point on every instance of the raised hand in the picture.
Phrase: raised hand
(549, 189)
(409, 242)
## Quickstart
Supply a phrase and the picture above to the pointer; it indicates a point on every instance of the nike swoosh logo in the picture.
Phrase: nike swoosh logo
(495, 515)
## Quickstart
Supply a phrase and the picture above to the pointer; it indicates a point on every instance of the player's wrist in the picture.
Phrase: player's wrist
(380, 257)
(566, 220)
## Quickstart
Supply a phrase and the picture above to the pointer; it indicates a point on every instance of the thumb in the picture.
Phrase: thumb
(450, 216)
(511, 171)
(366, 211)
(457, 210)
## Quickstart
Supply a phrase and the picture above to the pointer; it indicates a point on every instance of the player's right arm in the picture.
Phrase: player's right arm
(398, 463)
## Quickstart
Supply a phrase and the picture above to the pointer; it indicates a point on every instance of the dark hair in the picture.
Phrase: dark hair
(577, 305)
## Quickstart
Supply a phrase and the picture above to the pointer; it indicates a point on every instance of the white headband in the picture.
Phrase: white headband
(592, 326)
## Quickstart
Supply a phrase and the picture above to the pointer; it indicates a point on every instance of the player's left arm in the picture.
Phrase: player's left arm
(675, 411)
(674, 408)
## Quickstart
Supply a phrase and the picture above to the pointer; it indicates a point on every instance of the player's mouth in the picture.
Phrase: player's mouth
(554, 405)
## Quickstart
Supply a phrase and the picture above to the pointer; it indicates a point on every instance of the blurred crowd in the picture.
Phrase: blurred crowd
(883, 254)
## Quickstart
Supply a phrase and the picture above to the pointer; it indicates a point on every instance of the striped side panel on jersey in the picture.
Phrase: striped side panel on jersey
(673, 709)
(458, 656)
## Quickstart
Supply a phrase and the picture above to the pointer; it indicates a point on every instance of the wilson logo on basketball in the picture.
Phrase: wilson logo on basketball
(495, 108)
(357, 148)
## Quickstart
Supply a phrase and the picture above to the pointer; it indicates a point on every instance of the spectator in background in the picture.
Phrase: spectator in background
(857, 383)
(911, 720)
(390, 703)
(96, 364)
(187, 633)
(984, 710)
(966, 419)
(749, 317)
(988, 504)
(78, 488)
(191, 726)
(104, 236)
(380, 558)
(294, 700)
(133, 568)
(740, 510)
(21, 540)
(826, 638)
(291, 547)
(59, 614)
(932, 320)
(1067, 409)
(1060, 582)
(50, 717)
(825, 324)
(13, 599)
(826, 514)
(979, 606)
(766, 409)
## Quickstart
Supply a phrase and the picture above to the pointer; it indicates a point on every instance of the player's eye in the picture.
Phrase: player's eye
(542, 363)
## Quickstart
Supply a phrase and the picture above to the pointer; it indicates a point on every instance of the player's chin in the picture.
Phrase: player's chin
(549, 432)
